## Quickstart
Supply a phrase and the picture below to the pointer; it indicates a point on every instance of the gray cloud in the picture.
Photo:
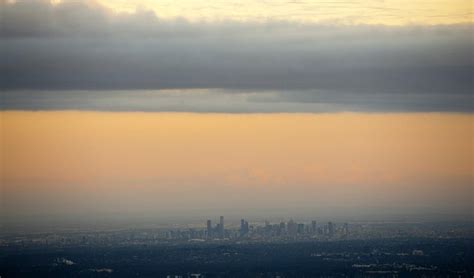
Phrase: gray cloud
(79, 48)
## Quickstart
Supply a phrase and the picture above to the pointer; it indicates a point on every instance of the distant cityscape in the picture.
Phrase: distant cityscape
(245, 248)
(282, 230)
(217, 230)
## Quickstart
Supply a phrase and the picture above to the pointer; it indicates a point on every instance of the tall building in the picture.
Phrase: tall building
(221, 227)
(244, 227)
(283, 227)
(292, 227)
(330, 228)
(313, 227)
(300, 228)
(345, 229)
(209, 228)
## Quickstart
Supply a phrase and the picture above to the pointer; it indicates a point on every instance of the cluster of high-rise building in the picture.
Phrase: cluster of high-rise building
(217, 231)
(290, 229)
(244, 227)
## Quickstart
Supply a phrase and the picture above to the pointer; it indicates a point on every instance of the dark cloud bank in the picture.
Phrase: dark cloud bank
(74, 56)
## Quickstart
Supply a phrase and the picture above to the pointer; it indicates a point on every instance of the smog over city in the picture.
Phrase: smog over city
(159, 138)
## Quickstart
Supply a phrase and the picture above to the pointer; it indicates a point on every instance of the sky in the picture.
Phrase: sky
(348, 109)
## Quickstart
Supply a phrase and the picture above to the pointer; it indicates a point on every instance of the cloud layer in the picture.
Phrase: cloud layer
(234, 101)
(74, 46)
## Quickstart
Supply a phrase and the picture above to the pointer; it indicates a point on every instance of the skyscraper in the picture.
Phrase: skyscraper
(292, 227)
(330, 228)
(313, 227)
(283, 227)
(345, 229)
(221, 227)
(300, 228)
(244, 227)
(209, 228)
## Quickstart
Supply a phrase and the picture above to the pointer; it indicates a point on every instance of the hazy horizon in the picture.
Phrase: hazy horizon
(162, 165)
(155, 111)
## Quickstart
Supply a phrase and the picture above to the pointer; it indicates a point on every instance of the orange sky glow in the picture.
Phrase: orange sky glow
(140, 159)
